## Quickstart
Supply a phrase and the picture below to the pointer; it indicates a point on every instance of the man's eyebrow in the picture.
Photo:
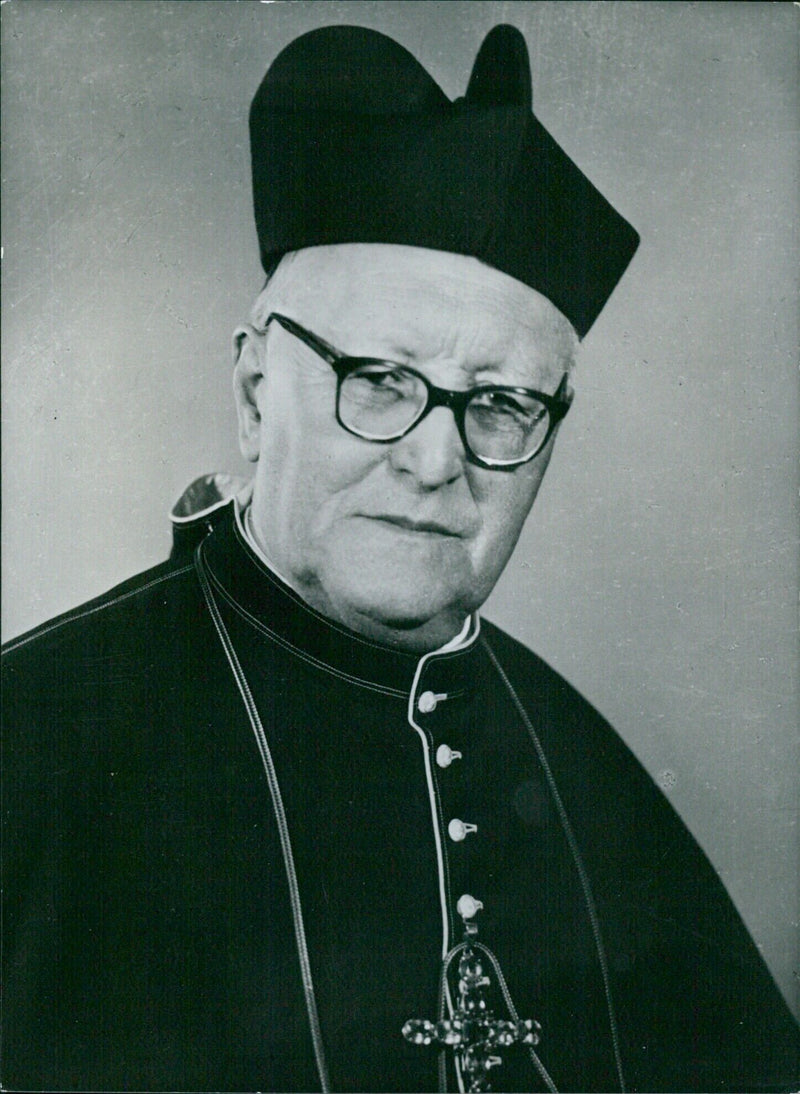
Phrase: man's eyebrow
(526, 371)
(393, 352)
(400, 352)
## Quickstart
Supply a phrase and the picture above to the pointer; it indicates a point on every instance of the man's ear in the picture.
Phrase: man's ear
(248, 377)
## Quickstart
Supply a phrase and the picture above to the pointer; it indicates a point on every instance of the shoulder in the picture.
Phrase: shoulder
(62, 653)
(168, 587)
(548, 699)
(590, 759)
(112, 685)
(659, 900)
(629, 832)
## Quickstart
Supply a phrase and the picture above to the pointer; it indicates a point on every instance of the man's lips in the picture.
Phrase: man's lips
(409, 524)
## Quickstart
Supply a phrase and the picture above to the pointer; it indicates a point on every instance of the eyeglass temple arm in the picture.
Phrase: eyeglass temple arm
(326, 352)
(563, 396)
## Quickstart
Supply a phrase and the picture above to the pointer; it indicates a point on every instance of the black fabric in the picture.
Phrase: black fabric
(148, 940)
(353, 142)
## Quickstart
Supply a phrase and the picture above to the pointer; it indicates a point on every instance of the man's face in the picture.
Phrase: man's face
(399, 541)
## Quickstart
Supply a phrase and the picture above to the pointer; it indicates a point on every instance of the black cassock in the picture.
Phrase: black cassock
(155, 938)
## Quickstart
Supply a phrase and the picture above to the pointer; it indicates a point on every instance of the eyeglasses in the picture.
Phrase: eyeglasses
(501, 427)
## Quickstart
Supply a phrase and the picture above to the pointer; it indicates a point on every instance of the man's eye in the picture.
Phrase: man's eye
(379, 382)
(380, 377)
(378, 387)
(506, 404)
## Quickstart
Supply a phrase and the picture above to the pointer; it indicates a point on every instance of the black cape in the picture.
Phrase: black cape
(149, 941)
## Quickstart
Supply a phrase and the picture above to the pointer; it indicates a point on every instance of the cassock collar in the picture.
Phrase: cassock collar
(248, 585)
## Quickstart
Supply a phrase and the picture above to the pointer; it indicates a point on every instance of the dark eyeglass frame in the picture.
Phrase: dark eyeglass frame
(556, 405)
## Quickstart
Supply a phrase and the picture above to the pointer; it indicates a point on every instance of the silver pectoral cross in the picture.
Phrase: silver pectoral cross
(473, 1031)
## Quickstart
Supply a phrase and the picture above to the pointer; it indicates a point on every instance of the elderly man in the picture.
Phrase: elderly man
(283, 813)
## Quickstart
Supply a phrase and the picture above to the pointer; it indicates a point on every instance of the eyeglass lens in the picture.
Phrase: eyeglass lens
(380, 402)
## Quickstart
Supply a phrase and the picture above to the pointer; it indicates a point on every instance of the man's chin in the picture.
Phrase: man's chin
(416, 622)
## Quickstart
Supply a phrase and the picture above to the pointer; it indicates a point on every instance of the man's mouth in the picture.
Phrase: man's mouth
(408, 524)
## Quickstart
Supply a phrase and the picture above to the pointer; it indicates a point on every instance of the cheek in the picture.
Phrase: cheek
(504, 506)
(309, 467)
(288, 474)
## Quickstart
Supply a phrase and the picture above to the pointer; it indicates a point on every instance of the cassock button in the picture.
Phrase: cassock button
(427, 702)
(468, 906)
(445, 755)
(458, 829)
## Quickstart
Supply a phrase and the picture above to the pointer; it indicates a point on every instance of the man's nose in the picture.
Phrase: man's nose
(432, 452)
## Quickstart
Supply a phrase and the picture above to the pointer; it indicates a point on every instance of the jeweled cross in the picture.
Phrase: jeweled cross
(473, 1031)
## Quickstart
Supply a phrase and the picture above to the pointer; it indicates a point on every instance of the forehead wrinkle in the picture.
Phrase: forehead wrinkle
(460, 322)
(509, 345)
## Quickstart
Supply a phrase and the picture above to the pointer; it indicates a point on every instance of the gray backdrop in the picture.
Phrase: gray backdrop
(659, 570)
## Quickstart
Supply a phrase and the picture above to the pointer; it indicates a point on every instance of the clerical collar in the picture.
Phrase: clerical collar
(244, 522)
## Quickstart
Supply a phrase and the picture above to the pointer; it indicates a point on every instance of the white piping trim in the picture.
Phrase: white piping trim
(577, 858)
(468, 634)
(244, 519)
(81, 612)
(222, 488)
(280, 817)
(437, 836)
